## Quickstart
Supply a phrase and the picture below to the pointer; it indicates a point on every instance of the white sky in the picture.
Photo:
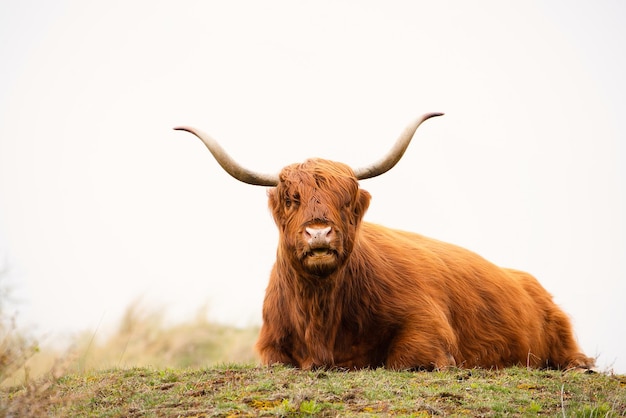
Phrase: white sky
(102, 202)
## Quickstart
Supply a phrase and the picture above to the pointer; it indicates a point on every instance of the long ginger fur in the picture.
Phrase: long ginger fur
(393, 298)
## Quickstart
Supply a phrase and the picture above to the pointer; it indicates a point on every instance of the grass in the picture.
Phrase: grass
(148, 368)
(143, 338)
(247, 390)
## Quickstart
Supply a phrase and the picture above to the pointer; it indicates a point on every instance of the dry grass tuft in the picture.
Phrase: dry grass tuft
(29, 373)
(144, 339)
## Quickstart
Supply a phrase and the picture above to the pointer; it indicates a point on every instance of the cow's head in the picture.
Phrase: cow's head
(317, 205)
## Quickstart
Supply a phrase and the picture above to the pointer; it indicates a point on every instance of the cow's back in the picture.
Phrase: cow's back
(499, 317)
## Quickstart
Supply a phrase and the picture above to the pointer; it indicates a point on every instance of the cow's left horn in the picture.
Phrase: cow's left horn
(393, 156)
(228, 164)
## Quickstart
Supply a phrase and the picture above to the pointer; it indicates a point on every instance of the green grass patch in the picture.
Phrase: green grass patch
(246, 390)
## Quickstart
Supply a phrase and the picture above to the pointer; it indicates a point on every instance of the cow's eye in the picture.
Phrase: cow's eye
(292, 200)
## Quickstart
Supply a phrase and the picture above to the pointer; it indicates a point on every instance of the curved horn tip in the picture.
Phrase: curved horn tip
(395, 154)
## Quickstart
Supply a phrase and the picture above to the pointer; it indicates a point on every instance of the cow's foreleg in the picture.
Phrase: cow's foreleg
(273, 348)
(415, 349)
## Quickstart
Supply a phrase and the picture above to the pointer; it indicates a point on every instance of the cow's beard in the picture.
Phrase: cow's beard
(317, 263)
(320, 262)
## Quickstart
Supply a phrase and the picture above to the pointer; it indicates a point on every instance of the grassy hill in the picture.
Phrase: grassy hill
(246, 390)
(149, 368)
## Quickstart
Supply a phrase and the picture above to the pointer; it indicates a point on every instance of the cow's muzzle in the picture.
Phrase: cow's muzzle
(318, 237)
(319, 241)
(321, 256)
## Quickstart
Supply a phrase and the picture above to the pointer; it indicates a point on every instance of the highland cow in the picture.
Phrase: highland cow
(345, 293)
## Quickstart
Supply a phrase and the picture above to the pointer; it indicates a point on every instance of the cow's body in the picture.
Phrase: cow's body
(407, 301)
(349, 294)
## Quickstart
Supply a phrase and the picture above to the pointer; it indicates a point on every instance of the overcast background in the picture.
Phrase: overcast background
(101, 202)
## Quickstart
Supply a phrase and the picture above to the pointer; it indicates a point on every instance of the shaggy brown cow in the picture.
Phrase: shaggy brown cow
(350, 294)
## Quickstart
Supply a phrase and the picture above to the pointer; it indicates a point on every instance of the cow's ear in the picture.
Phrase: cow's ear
(271, 197)
(274, 203)
(362, 203)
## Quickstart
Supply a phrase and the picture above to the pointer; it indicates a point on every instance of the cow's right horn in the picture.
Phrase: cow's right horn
(228, 164)
(393, 156)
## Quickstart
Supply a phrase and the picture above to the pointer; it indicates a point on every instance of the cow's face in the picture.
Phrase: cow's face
(317, 207)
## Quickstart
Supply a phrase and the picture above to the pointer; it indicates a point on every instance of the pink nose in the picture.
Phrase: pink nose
(318, 236)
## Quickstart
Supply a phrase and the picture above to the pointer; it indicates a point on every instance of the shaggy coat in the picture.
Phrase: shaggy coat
(344, 293)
